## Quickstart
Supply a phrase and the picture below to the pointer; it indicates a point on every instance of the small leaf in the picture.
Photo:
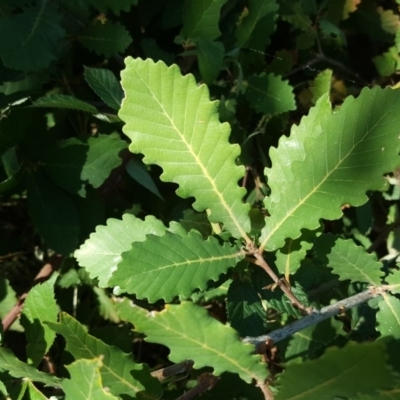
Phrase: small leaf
(101, 253)
(34, 42)
(201, 18)
(174, 124)
(269, 94)
(60, 230)
(39, 306)
(195, 220)
(394, 281)
(118, 370)
(338, 373)
(115, 6)
(104, 83)
(321, 85)
(102, 158)
(18, 369)
(139, 173)
(388, 316)
(348, 260)
(289, 257)
(210, 56)
(163, 267)
(245, 311)
(190, 333)
(85, 382)
(64, 101)
(258, 12)
(106, 39)
(331, 160)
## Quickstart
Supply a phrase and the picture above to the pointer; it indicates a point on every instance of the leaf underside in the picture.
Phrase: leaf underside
(174, 124)
(331, 159)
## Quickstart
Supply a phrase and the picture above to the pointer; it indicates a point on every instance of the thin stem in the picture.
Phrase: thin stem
(279, 282)
(206, 382)
(316, 317)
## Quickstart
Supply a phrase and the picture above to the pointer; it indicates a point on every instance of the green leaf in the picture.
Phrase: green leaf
(163, 267)
(305, 344)
(106, 39)
(200, 19)
(195, 220)
(394, 281)
(33, 37)
(348, 260)
(33, 392)
(115, 6)
(245, 311)
(269, 94)
(289, 257)
(104, 83)
(64, 101)
(190, 333)
(102, 158)
(118, 370)
(18, 369)
(172, 121)
(388, 316)
(60, 230)
(139, 173)
(259, 12)
(14, 128)
(64, 163)
(101, 253)
(331, 160)
(321, 84)
(338, 373)
(210, 56)
(39, 306)
(85, 382)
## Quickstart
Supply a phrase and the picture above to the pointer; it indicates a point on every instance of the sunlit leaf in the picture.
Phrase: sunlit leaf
(174, 124)
(331, 160)
(206, 341)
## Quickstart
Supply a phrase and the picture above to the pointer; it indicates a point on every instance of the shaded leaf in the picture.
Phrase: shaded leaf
(331, 160)
(269, 94)
(245, 311)
(201, 18)
(39, 306)
(118, 371)
(195, 220)
(140, 174)
(106, 39)
(85, 382)
(115, 6)
(64, 101)
(171, 120)
(348, 260)
(259, 12)
(60, 230)
(338, 373)
(104, 83)
(33, 37)
(102, 252)
(210, 56)
(190, 333)
(289, 257)
(18, 369)
(162, 267)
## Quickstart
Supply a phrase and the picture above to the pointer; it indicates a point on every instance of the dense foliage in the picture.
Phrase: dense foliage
(199, 197)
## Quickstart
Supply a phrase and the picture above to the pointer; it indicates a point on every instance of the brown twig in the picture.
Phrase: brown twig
(205, 382)
(44, 274)
(259, 260)
(173, 370)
